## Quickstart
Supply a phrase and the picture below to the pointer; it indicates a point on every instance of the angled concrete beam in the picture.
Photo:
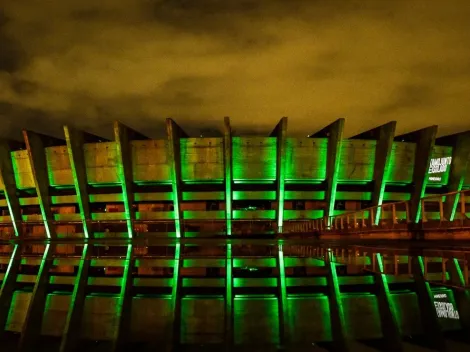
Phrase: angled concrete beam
(33, 322)
(334, 133)
(174, 133)
(424, 140)
(228, 174)
(462, 297)
(35, 144)
(458, 169)
(75, 140)
(229, 298)
(387, 309)
(175, 323)
(338, 325)
(8, 284)
(280, 131)
(431, 325)
(123, 135)
(284, 328)
(71, 333)
(384, 136)
(7, 175)
(124, 303)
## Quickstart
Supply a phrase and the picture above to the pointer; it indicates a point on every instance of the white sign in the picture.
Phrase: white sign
(438, 166)
(444, 308)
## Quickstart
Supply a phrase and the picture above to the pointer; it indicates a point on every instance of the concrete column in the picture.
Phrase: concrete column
(280, 131)
(8, 284)
(174, 133)
(428, 313)
(338, 326)
(71, 333)
(75, 140)
(387, 309)
(123, 135)
(334, 132)
(424, 140)
(35, 144)
(458, 169)
(124, 304)
(284, 328)
(384, 135)
(7, 175)
(228, 174)
(33, 322)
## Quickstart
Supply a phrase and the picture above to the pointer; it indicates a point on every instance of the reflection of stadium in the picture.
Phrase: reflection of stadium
(128, 241)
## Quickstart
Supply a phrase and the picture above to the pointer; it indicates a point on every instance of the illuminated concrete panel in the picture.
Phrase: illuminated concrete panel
(202, 159)
(150, 161)
(101, 161)
(304, 328)
(58, 166)
(401, 166)
(306, 159)
(357, 159)
(22, 168)
(254, 158)
(202, 320)
(302, 214)
(256, 320)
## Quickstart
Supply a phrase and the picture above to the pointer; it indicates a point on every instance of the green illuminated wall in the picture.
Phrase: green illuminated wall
(357, 160)
(441, 152)
(401, 166)
(202, 159)
(101, 162)
(306, 159)
(22, 168)
(150, 161)
(254, 158)
(58, 165)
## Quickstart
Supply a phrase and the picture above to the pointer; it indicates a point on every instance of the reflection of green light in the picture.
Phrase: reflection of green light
(228, 293)
(283, 291)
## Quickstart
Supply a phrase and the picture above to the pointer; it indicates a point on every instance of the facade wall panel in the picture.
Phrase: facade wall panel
(150, 161)
(202, 159)
(306, 159)
(254, 158)
(58, 166)
(22, 169)
(402, 160)
(101, 162)
(357, 160)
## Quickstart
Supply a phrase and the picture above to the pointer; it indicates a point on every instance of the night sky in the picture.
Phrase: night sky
(89, 62)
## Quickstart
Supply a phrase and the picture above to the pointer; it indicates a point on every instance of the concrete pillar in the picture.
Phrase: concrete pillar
(387, 309)
(124, 304)
(35, 144)
(280, 131)
(338, 326)
(7, 175)
(284, 328)
(384, 135)
(428, 313)
(228, 174)
(123, 135)
(174, 133)
(8, 284)
(424, 140)
(71, 333)
(334, 132)
(75, 140)
(458, 169)
(33, 322)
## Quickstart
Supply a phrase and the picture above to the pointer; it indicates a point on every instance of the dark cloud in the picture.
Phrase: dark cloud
(86, 63)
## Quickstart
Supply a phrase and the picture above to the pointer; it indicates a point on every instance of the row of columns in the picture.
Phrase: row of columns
(35, 143)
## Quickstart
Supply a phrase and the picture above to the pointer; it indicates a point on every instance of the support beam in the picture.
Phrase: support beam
(33, 321)
(124, 304)
(338, 325)
(280, 131)
(35, 144)
(462, 297)
(8, 285)
(75, 140)
(175, 324)
(228, 174)
(7, 175)
(458, 169)
(334, 133)
(71, 333)
(229, 298)
(123, 135)
(284, 328)
(174, 133)
(424, 140)
(429, 317)
(387, 309)
(384, 136)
